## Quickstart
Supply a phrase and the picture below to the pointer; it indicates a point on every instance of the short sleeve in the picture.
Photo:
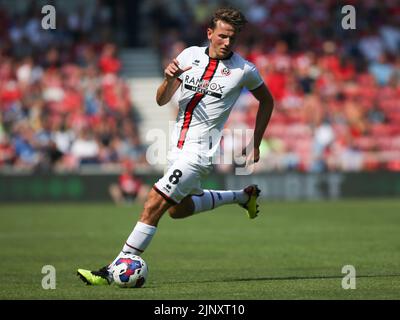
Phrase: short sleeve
(252, 79)
(184, 60)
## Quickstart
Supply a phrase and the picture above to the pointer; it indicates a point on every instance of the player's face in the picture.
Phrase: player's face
(222, 39)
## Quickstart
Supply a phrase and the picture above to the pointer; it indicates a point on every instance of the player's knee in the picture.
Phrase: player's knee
(182, 210)
(154, 208)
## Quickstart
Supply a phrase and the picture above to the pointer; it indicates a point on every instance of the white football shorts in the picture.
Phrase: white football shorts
(182, 177)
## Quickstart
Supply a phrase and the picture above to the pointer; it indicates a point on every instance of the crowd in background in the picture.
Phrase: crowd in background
(63, 103)
(337, 92)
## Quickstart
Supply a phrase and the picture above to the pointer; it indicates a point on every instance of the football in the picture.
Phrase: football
(130, 271)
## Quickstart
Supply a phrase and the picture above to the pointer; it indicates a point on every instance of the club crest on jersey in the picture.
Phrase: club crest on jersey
(226, 71)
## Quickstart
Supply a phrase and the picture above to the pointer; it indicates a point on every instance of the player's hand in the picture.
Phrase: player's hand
(173, 71)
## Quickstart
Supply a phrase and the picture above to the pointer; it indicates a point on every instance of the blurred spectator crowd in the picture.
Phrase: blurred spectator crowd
(336, 91)
(62, 101)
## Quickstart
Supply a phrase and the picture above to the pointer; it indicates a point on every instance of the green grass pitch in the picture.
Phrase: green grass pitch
(293, 250)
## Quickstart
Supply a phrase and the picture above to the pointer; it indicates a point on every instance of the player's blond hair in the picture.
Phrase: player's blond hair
(231, 16)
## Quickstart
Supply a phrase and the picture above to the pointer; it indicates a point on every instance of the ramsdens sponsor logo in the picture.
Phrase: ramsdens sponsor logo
(203, 86)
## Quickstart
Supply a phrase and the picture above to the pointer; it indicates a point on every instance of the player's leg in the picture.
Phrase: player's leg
(154, 207)
(144, 230)
(211, 199)
(171, 190)
(175, 185)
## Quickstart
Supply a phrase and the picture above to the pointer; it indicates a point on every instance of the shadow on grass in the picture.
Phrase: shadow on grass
(291, 278)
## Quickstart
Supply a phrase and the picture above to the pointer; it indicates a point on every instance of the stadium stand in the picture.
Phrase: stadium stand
(336, 91)
(63, 104)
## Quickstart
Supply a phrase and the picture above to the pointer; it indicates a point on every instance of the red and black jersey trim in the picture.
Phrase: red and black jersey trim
(213, 200)
(168, 199)
(134, 248)
(258, 87)
(208, 74)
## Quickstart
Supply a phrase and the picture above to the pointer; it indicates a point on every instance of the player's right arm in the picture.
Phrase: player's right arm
(171, 82)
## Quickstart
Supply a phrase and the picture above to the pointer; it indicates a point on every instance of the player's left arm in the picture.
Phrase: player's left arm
(266, 105)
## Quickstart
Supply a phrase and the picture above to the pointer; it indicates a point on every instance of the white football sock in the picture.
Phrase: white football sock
(138, 240)
(211, 199)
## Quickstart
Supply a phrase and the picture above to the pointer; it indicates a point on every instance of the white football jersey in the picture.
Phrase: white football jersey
(207, 93)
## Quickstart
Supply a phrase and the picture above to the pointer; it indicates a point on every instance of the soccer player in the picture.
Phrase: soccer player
(210, 80)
